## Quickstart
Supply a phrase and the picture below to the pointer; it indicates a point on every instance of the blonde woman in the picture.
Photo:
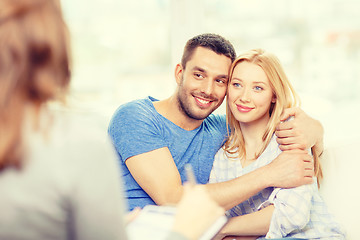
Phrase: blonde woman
(258, 94)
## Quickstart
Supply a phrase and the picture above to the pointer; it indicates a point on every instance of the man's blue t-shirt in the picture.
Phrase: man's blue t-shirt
(137, 128)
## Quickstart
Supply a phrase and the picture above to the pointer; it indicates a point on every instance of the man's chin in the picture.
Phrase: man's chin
(200, 115)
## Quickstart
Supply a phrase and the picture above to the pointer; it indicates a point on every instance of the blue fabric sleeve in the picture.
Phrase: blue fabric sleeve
(218, 121)
(134, 130)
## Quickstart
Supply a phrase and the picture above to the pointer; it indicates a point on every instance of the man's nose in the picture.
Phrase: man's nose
(208, 87)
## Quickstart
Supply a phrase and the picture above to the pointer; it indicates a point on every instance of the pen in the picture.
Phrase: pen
(190, 177)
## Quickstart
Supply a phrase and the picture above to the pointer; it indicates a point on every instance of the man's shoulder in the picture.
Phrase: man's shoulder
(136, 105)
(216, 120)
(216, 123)
(134, 114)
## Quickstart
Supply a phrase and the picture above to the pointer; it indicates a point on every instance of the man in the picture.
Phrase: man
(155, 139)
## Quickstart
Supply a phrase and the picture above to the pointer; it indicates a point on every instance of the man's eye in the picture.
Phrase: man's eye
(198, 75)
(220, 81)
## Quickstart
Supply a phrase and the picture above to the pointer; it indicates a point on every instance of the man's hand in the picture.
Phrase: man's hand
(302, 132)
(291, 169)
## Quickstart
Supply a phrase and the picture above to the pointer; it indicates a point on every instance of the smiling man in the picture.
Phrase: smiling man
(155, 139)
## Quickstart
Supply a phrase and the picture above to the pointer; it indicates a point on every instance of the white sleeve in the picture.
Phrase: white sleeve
(292, 209)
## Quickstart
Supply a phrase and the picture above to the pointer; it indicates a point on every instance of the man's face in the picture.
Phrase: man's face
(202, 84)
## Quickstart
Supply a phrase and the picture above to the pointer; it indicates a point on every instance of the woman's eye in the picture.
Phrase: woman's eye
(236, 85)
(257, 88)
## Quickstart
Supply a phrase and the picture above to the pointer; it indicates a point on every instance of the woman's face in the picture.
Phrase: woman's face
(249, 93)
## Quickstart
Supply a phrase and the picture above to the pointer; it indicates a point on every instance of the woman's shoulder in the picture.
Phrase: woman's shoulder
(225, 160)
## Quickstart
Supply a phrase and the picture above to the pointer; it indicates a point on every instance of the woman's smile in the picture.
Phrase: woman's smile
(243, 109)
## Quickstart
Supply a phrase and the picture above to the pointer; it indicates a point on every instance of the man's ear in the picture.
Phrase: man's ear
(179, 70)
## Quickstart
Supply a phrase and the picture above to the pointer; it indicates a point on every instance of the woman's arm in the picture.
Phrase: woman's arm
(291, 209)
(253, 224)
(285, 211)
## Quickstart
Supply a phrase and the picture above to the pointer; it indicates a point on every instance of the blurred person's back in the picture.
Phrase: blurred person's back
(62, 189)
(58, 174)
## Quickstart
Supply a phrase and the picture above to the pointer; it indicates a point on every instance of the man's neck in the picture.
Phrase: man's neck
(169, 108)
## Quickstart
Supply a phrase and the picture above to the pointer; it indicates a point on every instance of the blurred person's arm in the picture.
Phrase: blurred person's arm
(196, 212)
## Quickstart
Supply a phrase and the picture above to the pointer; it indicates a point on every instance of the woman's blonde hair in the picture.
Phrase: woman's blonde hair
(34, 66)
(285, 97)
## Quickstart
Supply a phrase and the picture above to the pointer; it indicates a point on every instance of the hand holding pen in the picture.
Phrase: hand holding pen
(196, 208)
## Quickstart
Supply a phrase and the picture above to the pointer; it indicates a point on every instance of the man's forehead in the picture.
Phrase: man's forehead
(209, 60)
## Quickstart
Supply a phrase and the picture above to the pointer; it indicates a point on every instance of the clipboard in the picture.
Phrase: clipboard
(156, 222)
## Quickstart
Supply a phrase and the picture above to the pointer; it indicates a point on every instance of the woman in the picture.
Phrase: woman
(258, 93)
(59, 177)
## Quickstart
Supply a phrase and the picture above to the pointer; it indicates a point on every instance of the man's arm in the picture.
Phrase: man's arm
(290, 169)
(303, 132)
(157, 174)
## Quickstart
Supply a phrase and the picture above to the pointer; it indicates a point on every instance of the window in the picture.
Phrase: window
(124, 50)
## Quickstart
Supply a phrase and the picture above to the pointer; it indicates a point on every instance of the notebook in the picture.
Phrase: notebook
(156, 222)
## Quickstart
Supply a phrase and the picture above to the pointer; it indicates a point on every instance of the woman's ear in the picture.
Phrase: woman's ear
(273, 99)
(179, 70)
